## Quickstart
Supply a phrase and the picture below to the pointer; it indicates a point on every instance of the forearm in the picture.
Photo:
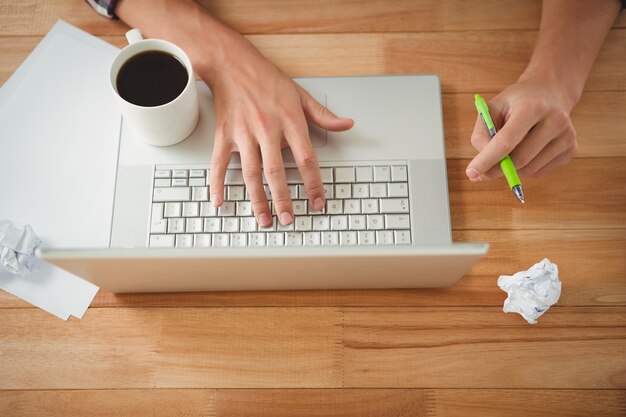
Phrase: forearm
(570, 36)
(187, 24)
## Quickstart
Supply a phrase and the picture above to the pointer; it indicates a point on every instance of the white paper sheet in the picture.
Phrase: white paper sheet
(59, 140)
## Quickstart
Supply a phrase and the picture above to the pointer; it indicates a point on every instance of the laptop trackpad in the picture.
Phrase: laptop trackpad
(318, 136)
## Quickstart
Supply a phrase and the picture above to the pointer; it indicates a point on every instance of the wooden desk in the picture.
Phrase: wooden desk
(366, 353)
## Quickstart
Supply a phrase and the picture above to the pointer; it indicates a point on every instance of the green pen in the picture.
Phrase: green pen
(506, 164)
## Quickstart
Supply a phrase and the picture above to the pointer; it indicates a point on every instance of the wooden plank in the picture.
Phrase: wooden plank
(586, 194)
(165, 348)
(316, 402)
(35, 17)
(458, 57)
(484, 348)
(598, 119)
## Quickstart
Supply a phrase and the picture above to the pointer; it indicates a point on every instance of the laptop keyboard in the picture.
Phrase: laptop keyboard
(365, 205)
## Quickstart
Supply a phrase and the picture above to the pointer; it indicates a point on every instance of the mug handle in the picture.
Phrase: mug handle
(133, 35)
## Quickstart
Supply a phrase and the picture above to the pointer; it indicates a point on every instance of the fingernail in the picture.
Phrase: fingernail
(264, 219)
(286, 218)
(318, 204)
(472, 174)
(215, 200)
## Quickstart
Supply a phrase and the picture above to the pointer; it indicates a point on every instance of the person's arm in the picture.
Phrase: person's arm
(258, 108)
(533, 115)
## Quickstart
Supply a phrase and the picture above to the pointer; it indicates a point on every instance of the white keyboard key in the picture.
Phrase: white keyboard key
(397, 221)
(268, 192)
(329, 191)
(348, 238)
(275, 239)
(399, 173)
(398, 189)
(248, 224)
(180, 173)
(367, 237)
(334, 207)
(158, 226)
(162, 173)
(162, 182)
(162, 241)
(360, 190)
(382, 174)
(293, 239)
(220, 240)
(230, 224)
(202, 240)
(378, 190)
(330, 238)
(344, 174)
(194, 225)
(197, 182)
(190, 209)
(176, 226)
(213, 225)
(269, 228)
(352, 206)
(284, 227)
(256, 239)
(299, 207)
(233, 177)
(184, 241)
(200, 193)
(293, 191)
(163, 194)
(370, 206)
(197, 173)
(339, 222)
(173, 209)
(327, 175)
(403, 237)
(207, 209)
(226, 209)
(179, 182)
(235, 192)
(357, 222)
(343, 191)
(238, 240)
(312, 239)
(384, 237)
(244, 208)
(157, 211)
(302, 192)
(394, 205)
(364, 174)
(316, 212)
(303, 223)
(321, 223)
(293, 176)
(375, 222)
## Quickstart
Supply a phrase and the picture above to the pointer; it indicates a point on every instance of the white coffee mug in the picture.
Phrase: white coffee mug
(166, 124)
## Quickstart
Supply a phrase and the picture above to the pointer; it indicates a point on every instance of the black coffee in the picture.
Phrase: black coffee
(151, 78)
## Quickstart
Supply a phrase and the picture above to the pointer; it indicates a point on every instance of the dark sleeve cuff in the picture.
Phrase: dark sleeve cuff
(106, 7)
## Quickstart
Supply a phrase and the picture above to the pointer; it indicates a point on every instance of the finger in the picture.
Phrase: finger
(308, 165)
(511, 134)
(275, 173)
(539, 138)
(321, 116)
(252, 176)
(564, 144)
(557, 162)
(219, 162)
(480, 138)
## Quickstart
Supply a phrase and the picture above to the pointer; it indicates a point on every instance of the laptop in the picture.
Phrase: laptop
(386, 223)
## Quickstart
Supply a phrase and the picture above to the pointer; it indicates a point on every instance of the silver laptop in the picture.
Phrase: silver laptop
(386, 223)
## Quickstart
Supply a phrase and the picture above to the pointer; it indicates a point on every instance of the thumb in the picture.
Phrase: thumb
(323, 117)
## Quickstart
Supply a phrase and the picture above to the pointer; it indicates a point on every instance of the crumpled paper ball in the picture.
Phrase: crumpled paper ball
(17, 248)
(531, 292)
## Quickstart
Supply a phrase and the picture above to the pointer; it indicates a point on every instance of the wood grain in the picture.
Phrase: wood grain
(171, 348)
(483, 348)
(459, 58)
(316, 402)
(32, 17)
